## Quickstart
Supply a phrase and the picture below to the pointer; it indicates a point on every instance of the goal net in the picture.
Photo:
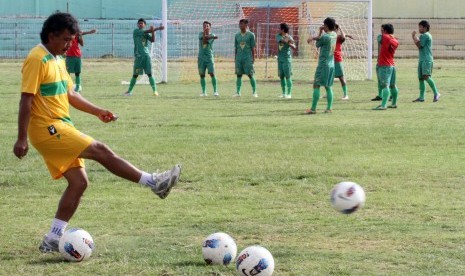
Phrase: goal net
(185, 18)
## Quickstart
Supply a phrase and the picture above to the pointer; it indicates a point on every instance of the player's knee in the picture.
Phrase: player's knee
(239, 76)
(135, 76)
(250, 76)
(98, 151)
(77, 74)
(425, 77)
(149, 75)
(202, 76)
(212, 75)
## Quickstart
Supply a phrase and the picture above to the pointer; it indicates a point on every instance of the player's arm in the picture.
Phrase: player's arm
(80, 103)
(21, 146)
(93, 31)
(253, 54)
(416, 40)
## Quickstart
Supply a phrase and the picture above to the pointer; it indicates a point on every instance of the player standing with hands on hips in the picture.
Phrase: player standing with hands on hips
(47, 91)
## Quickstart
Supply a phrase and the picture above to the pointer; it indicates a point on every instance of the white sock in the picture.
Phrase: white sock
(57, 229)
(147, 180)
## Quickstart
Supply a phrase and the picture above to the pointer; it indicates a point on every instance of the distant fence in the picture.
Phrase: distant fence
(114, 38)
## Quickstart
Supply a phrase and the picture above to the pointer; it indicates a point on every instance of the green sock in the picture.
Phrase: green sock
(283, 85)
(344, 90)
(385, 97)
(380, 90)
(329, 97)
(78, 83)
(316, 97)
(238, 85)
(253, 82)
(152, 83)
(214, 83)
(394, 93)
(289, 86)
(203, 84)
(422, 89)
(431, 83)
(131, 84)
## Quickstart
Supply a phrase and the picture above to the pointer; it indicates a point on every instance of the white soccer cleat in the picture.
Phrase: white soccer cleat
(345, 98)
(49, 245)
(203, 94)
(216, 94)
(165, 181)
(255, 95)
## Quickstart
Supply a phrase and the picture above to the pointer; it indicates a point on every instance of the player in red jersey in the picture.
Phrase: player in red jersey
(386, 67)
(73, 58)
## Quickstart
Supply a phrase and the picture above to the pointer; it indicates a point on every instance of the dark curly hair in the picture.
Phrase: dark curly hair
(57, 23)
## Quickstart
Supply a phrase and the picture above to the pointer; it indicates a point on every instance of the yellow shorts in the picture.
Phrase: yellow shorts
(59, 146)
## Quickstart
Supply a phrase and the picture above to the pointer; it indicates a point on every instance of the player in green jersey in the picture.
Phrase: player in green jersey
(425, 61)
(324, 75)
(205, 59)
(244, 49)
(142, 61)
(285, 43)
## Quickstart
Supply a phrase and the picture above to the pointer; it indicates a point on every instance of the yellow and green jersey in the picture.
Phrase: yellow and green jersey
(141, 39)
(206, 50)
(327, 44)
(244, 43)
(284, 50)
(426, 47)
(45, 77)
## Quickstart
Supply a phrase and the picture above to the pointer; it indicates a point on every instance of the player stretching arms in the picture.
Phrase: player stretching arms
(47, 92)
(386, 67)
(285, 43)
(324, 74)
(142, 61)
(338, 62)
(244, 49)
(73, 58)
(205, 59)
(425, 61)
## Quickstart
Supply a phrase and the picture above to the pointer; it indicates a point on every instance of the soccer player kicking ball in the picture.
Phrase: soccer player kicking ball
(386, 67)
(285, 43)
(73, 57)
(142, 60)
(205, 59)
(324, 74)
(244, 49)
(425, 61)
(47, 92)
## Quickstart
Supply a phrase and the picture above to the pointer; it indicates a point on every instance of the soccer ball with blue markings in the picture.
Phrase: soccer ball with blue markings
(76, 245)
(347, 197)
(255, 260)
(219, 248)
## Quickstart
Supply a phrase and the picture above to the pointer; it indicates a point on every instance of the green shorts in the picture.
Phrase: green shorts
(73, 64)
(324, 76)
(244, 66)
(204, 66)
(387, 76)
(284, 69)
(142, 64)
(338, 69)
(425, 68)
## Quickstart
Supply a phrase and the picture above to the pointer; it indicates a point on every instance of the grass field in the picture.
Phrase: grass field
(257, 169)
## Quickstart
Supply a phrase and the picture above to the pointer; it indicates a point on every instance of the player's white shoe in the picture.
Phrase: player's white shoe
(203, 94)
(255, 95)
(49, 245)
(345, 98)
(216, 94)
(236, 95)
(289, 96)
(165, 181)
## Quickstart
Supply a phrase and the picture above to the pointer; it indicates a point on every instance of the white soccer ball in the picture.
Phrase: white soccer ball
(219, 248)
(255, 260)
(347, 197)
(76, 245)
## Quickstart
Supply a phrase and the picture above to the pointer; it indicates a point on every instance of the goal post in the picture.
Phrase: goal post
(183, 22)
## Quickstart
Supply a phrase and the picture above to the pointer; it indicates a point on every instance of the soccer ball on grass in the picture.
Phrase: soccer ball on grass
(219, 248)
(76, 245)
(255, 260)
(347, 197)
